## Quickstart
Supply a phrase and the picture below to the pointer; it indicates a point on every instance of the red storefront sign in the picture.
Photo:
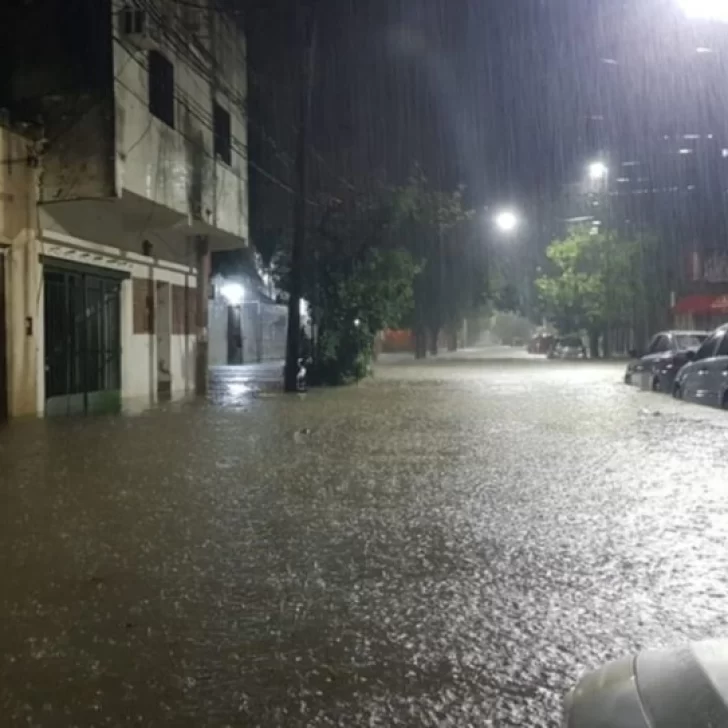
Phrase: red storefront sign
(701, 304)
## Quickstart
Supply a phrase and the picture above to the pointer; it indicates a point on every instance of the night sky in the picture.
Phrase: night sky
(509, 97)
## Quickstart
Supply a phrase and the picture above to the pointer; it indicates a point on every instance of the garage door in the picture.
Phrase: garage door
(82, 340)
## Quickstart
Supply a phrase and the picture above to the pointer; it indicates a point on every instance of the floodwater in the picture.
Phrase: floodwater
(451, 544)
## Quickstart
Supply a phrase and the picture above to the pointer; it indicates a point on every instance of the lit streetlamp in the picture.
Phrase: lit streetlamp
(506, 221)
(705, 9)
(598, 171)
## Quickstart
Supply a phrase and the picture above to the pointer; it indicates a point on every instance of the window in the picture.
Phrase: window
(658, 344)
(723, 347)
(161, 88)
(133, 21)
(191, 19)
(707, 348)
(689, 341)
(221, 126)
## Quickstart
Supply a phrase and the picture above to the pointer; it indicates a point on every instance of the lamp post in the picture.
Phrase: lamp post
(507, 222)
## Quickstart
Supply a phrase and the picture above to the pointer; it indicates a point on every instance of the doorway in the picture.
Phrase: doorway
(234, 335)
(82, 310)
(164, 339)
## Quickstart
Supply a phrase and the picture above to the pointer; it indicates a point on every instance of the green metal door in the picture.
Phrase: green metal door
(82, 340)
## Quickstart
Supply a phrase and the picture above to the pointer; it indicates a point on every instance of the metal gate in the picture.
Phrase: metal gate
(3, 346)
(82, 340)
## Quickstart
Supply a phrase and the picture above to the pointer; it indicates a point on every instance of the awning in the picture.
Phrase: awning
(702, 304)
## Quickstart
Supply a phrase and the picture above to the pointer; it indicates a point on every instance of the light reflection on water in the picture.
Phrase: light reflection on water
(443, 545)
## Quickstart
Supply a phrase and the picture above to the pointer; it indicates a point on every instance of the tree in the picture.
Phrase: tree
(436, 227)
(358, 279)
(396, 256)
(597, 282)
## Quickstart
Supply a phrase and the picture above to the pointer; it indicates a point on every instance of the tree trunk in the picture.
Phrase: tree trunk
(420, 343)
(607, 343)
(594, 343)
(434, 335)
(452, 338)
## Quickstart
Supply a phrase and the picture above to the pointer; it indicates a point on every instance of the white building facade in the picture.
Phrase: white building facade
(140, 172)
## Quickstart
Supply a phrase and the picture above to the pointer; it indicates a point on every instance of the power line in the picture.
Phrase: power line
(176, 39)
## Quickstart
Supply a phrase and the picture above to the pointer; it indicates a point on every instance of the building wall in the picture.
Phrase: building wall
(76, 164)
(176, 166)
(19, 245)
(59, 71)
(139, 366)
(77, 71)
(263, 329)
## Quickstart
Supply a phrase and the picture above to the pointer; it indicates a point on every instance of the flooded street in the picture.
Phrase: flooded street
(449, 544)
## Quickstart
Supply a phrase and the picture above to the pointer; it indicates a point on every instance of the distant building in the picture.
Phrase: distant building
(675, 187)
(248, 322)
(141, 172)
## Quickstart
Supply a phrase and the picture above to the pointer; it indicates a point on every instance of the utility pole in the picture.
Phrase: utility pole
(202, 260)
(293, 338)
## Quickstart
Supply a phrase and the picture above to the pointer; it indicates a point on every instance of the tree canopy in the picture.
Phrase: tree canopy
(597, 281)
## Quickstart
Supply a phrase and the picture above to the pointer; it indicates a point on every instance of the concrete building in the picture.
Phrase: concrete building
(19, 275)
(141, 173)
(248, 320)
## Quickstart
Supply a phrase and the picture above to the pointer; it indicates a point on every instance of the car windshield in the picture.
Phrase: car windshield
(689, 341)
(571, 341)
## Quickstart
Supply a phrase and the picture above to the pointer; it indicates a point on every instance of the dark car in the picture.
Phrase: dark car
(704, 379)
(667, 352)
(568, 347)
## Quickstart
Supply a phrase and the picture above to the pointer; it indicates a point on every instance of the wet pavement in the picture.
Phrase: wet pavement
(450, 544)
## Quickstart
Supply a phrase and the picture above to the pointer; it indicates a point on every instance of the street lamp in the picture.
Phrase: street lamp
(598, 171)
(232, 292)
(506, 221)
(705, 9)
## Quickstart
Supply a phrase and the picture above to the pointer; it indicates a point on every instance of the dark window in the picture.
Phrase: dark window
(133, 20)
(161, 88)
(658, 344)
(664, 343)
(723, 348)
(221, 124)
(707, 348)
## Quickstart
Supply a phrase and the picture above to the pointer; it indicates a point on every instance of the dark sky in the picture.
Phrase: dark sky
(509, 97)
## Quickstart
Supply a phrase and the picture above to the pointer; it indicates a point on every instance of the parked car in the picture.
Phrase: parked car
(541, 344)
(682, 686)
(568, 347)
(704, 378)
(666, 353)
